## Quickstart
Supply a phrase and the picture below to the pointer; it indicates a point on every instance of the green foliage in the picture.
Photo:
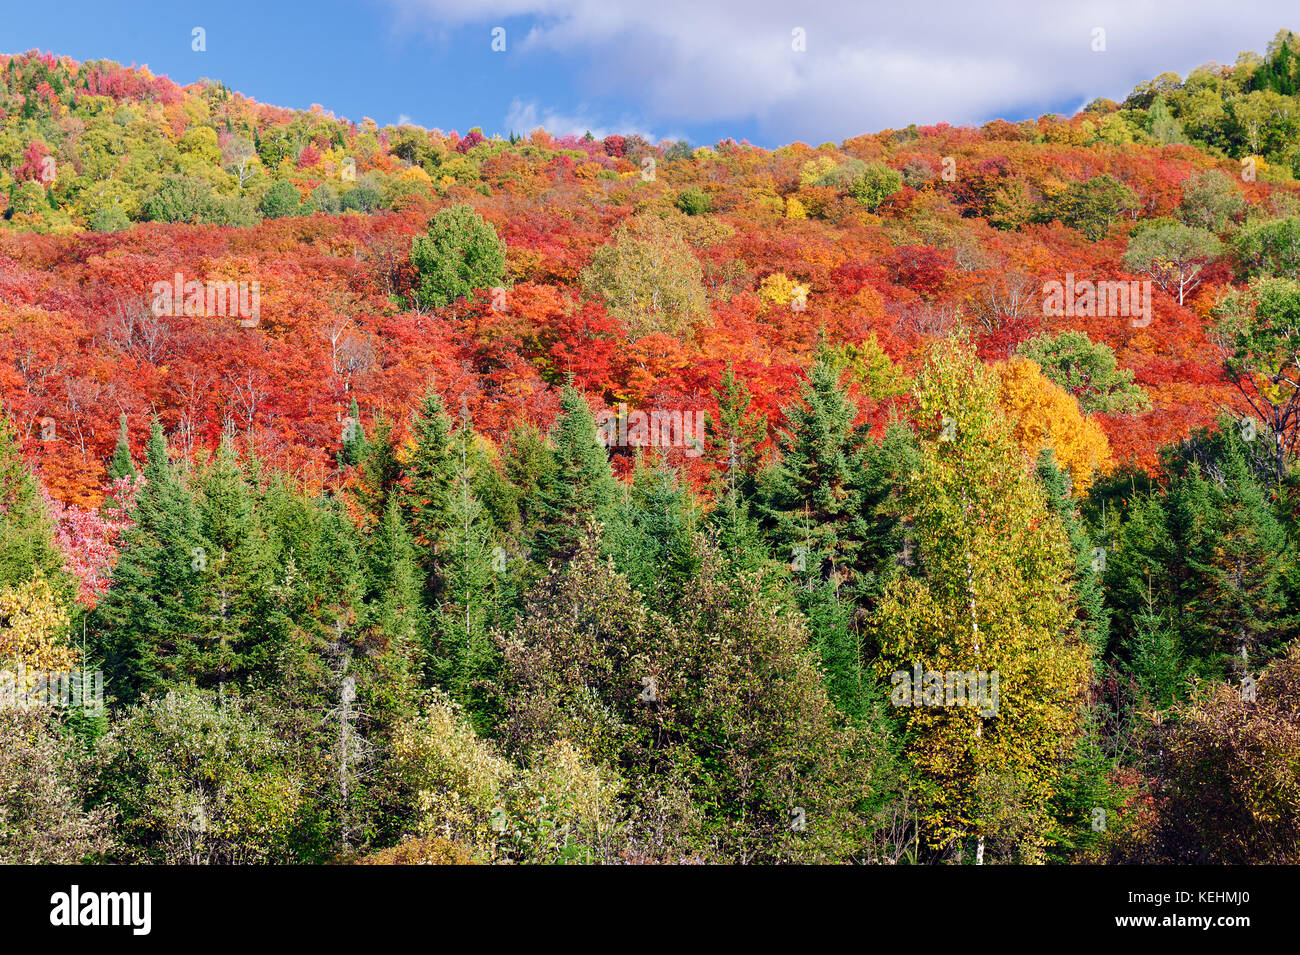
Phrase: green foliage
(154, 597)
(1093, 617)
(876, 184)
(993, 595)
(200, 779)
(718, 722)
(1208, 550)
(821, 500)
(458, 254)
(694, 202)
(1211, 201)
(1094, 205)
(281, 200)
(648, 277)
(1173, 255)
(576, 487)
(122, 466)
(1088, 371)
(1270, 248)
(178, 199)
(43, 787)
(27, 545)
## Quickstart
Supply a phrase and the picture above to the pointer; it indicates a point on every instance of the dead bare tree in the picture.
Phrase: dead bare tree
(1010, 295)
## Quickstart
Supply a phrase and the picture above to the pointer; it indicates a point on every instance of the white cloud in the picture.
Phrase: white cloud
(868, 65)
(525, 115)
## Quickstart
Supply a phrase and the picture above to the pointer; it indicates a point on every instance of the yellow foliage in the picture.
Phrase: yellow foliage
(794, 209)
(779, 289)
(31, 620)
(416, 174)
(814, 169)
(416, 851)
(1043, 415)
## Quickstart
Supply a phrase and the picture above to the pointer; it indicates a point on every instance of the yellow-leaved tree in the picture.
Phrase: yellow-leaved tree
(33, 622)
(648, 277)
(1045, 415)
(991, 601)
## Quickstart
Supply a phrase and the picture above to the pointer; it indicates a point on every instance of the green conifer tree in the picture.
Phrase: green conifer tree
(122, 466)
(578, 488)
(147, 623)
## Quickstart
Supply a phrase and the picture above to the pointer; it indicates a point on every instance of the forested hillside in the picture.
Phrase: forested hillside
(928, 497)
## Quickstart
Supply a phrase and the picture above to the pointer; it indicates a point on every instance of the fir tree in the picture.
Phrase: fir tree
(579, 486)
(1153, 657)
(1094, 620)
(242, 621)
(354, 437)
(733, 436)
(820, 500)
(475, 579)
(378, 474)
(427, 480)
(394, 614)
(651, 539)
(147, 622)
(27, 546)
(526, 460)
(122, 466)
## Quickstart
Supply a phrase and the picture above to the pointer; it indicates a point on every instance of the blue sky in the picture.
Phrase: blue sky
(665, 68)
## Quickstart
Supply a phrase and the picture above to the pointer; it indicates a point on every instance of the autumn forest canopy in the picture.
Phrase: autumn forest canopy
(423, 497)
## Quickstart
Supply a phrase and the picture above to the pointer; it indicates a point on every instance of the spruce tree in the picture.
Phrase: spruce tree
(819, 500)
(242, 620)
(354, 437)
(740, 540)
(427, 479)
(651, 539)
(378, 474)
(526, 460)
(1237, 554)
(394, 614)
(122, 466)
(27, 545)
(733, 436)
(1094, 620)
(147, 624)
(475, 582)
(579, 486)
(1154, 658)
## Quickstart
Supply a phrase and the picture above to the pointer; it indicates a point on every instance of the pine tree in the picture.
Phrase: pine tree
(243, 624)
(122, 466)
(354, 437)
(1094, 619)
(378, 474)
(475, 581)
(427, 479)
(579, 487)
(147, 623)
(27, 546)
